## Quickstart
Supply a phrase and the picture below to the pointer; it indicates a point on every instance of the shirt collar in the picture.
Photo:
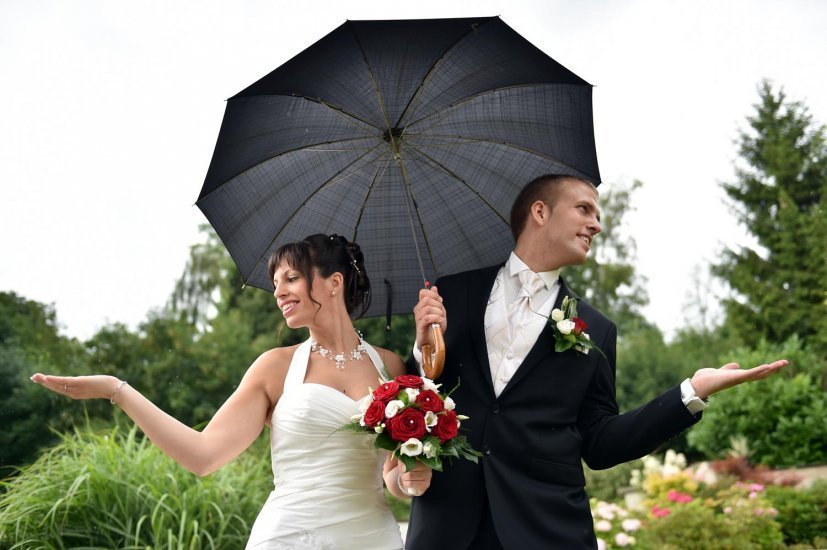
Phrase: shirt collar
(515, 265)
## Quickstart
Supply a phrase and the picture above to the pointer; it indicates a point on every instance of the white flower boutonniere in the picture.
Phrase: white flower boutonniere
(569, 329)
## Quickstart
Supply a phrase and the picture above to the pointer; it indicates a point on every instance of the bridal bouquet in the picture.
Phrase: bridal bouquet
(413, 420)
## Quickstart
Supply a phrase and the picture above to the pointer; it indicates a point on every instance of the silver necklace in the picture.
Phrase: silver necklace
(355, 354)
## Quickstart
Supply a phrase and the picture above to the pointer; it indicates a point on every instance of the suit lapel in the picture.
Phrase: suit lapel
(478, 295)
(544, 344)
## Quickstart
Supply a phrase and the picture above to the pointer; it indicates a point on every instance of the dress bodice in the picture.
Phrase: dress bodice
(328, 483)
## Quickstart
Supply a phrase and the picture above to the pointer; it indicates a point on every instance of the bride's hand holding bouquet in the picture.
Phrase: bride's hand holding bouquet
(410, 418)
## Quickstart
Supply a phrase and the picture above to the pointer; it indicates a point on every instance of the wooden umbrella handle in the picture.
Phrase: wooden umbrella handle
(433, 355)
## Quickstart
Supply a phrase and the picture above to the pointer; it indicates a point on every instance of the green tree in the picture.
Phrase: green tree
(608, 279)
(30, 342)
(779, 195)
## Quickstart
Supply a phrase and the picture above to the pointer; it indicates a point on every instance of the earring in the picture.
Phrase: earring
(333, 293)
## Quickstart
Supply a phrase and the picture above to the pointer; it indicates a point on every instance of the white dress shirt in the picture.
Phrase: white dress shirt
(506, 354)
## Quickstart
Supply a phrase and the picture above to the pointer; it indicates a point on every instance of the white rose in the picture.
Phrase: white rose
(565, 326)
(630, 525)
(430, 420)
(412, 393)
(603, 526)
(393, 407)
(429, 449)
(449, 404)
(412, 447)
(556, 315)
(428, 384)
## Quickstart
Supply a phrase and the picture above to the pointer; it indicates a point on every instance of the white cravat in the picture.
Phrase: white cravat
(507, 347)
(522, 308)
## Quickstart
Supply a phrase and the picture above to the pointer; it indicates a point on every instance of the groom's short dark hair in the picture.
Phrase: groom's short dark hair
(544, 188)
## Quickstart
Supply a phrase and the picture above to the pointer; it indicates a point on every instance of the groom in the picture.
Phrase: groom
(535, 413)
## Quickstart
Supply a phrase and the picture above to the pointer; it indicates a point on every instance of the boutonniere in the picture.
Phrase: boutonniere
(569, 329)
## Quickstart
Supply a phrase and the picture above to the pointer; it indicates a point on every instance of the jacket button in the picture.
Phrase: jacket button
(496, 408)
(486, 449)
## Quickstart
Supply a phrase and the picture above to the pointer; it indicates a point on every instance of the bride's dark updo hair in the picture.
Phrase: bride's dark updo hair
(329, 254)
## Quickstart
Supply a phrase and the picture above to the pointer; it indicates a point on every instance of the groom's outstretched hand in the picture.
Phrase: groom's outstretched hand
(429, 310)
(709, 381)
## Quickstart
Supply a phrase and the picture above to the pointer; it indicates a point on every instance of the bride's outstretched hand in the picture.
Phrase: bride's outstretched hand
(79, 387)
(709, 381)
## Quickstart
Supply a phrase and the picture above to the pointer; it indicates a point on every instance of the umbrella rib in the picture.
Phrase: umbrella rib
(307, 199)
(462, 102)
(380, 171)
(461, 180)
(473, 30)
(504, 144)
(373, 80)
(409, 197)
(309, 147)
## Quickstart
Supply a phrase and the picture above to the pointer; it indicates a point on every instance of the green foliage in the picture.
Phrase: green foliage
(780, 196)
(29, 343)
(695, 526)
(802, 513)
(782, 418)
(609, 484)
(117, 490)
(608, 280)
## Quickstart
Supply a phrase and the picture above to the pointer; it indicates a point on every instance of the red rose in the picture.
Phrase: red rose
(407, 423)
(386, 392)
(409, 381)
(446, 427)
(375, 414)
(429, 400)
(579, 326)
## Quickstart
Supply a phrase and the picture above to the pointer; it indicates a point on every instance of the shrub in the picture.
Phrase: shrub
(802, 513)
(609, 484)
(117, 490)
(782, 418)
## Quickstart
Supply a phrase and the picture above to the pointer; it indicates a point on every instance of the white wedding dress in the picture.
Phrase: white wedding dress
(328, 485)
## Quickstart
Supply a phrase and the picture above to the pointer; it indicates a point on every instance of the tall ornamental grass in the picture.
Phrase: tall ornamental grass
(117, 490)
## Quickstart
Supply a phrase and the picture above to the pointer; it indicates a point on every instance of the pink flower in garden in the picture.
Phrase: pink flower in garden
(756, 487)
(772, 511)
(728, 510)
(759, 512)
(681, 498)
(659, 512)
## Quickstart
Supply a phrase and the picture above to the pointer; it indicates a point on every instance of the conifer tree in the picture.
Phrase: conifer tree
(780, 283)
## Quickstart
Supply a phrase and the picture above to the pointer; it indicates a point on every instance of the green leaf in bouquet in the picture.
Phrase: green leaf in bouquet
(432, 463)
(384, 441)
(408, 461)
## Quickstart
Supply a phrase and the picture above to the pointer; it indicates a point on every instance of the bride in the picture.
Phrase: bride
(328, 484)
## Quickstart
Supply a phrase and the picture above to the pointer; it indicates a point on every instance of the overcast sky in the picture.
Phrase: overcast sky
(110, 112)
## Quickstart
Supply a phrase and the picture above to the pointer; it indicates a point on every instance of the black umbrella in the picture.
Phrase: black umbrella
(410, 137)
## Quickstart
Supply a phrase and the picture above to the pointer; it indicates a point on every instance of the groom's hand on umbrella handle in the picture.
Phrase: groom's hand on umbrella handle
(428, 311)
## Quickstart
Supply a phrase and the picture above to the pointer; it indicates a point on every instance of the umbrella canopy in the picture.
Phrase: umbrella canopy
(410, 137)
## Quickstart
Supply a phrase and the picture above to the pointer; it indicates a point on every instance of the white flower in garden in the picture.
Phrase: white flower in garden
(430, 420)
(412, 393)
(565, 326)
(449, 404)
(429, 449)
(393, 407)
(557, 315)
(630, 525)
(603, 526)
(622, 539)
(601, 544)
(412, 447)
(605, 511)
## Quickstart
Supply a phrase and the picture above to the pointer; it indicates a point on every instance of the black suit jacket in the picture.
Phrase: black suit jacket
(557, 409)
